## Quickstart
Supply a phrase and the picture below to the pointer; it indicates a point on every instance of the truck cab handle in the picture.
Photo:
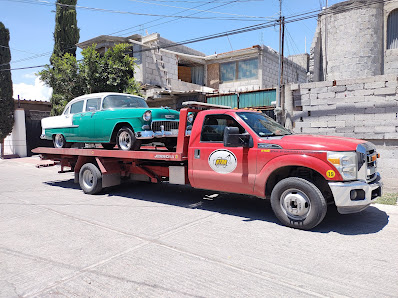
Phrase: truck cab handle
(197, 153)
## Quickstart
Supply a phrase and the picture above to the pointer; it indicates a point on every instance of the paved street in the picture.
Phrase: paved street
(170, 241)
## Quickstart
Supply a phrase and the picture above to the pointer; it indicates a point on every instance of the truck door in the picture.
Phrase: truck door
(215, 167)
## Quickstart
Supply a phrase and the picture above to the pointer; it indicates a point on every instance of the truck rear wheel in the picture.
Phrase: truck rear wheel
(90, 179)
(298, 203)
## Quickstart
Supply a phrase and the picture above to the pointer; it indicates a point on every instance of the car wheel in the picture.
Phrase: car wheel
(298, 203)
(108, 146)
(126, 140)
(60, 142)
(90, 179)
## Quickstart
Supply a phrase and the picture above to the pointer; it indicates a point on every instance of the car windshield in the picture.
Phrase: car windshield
(263, 125)
(123, 102)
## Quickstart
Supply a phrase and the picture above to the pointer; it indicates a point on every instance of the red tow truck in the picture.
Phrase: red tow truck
(242, 151)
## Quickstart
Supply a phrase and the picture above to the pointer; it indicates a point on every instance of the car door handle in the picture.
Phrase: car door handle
(197, 153)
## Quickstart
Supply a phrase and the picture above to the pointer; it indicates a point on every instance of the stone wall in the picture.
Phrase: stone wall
(358, 108)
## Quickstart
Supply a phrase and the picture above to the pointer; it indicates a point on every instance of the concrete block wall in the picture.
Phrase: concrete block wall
(293, 72)
(160, 67)
(364, 108)
(351, 42)
(391, 62)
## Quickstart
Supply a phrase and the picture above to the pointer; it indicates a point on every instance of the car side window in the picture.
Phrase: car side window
(77, 107)
(214, 125)
(93, 104)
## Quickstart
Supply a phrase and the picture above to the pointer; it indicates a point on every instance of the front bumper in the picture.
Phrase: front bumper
(342, 194)
(149, 134)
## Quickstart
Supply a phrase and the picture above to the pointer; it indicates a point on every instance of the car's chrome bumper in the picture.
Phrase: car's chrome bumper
(148, 134)
(43, 137)
(345, 199)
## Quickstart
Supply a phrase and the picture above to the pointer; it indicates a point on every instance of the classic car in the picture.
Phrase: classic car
(111, 119)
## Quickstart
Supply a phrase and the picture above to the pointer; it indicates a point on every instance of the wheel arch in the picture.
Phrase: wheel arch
(300, 172)
(116, 128)
(306, 167)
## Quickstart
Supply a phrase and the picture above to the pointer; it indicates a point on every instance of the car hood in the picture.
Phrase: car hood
(318, 143)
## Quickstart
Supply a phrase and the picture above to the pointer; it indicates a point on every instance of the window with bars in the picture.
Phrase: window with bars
(392, 30)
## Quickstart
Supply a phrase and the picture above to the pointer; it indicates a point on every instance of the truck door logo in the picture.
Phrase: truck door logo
(223, 161)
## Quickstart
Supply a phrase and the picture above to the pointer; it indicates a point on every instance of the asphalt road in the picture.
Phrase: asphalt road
(144, 240)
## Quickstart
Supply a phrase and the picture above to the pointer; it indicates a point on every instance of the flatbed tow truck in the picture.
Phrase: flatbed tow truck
(228, 150)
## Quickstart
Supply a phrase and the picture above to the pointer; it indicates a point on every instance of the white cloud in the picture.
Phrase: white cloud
(30, 75)
(38, 91)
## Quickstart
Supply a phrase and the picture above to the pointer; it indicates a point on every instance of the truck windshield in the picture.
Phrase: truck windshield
(123, 102)
(263, 125)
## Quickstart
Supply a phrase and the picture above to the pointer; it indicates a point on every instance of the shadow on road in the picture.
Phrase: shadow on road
(371, 220)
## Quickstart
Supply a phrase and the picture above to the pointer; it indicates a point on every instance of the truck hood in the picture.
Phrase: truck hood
(319, 143)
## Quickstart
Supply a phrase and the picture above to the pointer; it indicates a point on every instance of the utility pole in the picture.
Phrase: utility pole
(280, 72)
(281, 56)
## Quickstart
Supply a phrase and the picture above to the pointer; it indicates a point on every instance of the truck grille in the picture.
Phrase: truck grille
(167, 125)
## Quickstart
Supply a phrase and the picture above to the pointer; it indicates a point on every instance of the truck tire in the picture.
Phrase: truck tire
(126, 139)
(298, 203)
(90, 179)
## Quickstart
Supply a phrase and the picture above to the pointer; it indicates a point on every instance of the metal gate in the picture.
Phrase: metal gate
(33, 131)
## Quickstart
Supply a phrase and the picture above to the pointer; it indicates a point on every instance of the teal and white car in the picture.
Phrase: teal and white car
(111, 119)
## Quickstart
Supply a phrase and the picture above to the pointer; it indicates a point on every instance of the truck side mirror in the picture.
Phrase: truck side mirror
(232, 138)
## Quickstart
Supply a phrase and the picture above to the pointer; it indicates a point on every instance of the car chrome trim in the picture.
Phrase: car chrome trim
(69, 126)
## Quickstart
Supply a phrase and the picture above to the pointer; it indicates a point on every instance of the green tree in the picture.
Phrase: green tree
(112, 72)
(66, 32)
(66, 36)
(6, 100)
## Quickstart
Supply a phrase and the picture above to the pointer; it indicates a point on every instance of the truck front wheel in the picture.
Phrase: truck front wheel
(298, 203)
(90, 179)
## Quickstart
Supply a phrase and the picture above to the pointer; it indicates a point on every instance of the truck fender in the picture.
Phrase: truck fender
(303, 160)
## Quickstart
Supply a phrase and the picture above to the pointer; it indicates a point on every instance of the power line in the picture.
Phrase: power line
(291, 19)
(200, 10)
(186, 1)
(169, 21)
(47, 3)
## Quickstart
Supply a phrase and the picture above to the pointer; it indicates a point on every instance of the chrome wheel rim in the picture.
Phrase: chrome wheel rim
(125, 140)
(295, 204)
(59, 141)
(88, 179)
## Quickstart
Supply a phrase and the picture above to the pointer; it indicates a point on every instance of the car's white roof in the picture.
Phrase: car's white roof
(100, 95)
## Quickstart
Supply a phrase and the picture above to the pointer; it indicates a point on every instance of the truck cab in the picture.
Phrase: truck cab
(243, 151)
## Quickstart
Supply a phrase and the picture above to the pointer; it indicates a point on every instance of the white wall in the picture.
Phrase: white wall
(15, 143)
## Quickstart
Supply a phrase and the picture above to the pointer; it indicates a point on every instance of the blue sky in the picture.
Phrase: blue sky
(31, 24)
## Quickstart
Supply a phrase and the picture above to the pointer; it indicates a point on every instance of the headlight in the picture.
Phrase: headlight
(190, 118)
(346, 163)
(147, 116)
